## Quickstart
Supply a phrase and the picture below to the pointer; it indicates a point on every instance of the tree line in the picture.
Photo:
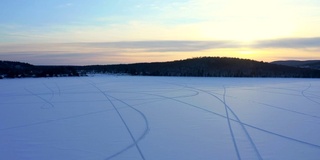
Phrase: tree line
(206, 67)
(197, 67)
(10, 69)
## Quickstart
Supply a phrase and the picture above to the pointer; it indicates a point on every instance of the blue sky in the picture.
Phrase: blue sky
(105, 32)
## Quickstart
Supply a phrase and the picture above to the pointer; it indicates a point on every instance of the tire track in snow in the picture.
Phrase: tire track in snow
(237, 118)
(135, 142)
(282, 136)
(195, 93)
(234, 120)
(57, 86)
(245, 124)
(229, 125)
(52, 91)
(125, 124)
(227, 117)
(274, 92)
(313, 95)
(153, 100)
(242, 126)
(288, 110)
(272, 106)
(233, 113)
(43, 99)
(55, 120)
(145, 132)
(194, 106)
(305, 96)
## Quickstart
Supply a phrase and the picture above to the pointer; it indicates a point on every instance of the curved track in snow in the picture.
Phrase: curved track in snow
(135, 141)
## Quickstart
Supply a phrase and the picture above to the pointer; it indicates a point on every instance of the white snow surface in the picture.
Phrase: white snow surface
(159, 118)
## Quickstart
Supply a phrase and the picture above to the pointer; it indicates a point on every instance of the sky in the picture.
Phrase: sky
(84, 32)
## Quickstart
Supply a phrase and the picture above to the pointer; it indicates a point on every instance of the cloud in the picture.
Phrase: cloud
(121, 46)
(66, 5)
(107, 52)
(54, 58)
(291, 43)
(157, 50)
(165, 46)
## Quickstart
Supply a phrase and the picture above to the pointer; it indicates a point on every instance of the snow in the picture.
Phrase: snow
(126, 117)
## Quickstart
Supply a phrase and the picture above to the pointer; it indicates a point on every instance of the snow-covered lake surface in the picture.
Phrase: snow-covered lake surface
(159, 118)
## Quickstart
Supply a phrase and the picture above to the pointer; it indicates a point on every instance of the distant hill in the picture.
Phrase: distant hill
(199, 67)
(312, 64)
(207, 67)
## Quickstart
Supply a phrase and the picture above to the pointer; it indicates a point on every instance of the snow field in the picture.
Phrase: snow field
(125, 117)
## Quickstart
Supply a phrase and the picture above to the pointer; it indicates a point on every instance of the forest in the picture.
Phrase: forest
(10, 69)
(196, 67)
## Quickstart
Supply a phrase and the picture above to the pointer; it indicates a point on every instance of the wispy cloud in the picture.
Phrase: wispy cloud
(107, 52)
(65, 5)
(293, 43)
(56, 58)
(165, 46)
(146, 46)
(146, 51)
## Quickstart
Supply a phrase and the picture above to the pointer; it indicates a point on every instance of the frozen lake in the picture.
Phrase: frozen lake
(159, 118)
